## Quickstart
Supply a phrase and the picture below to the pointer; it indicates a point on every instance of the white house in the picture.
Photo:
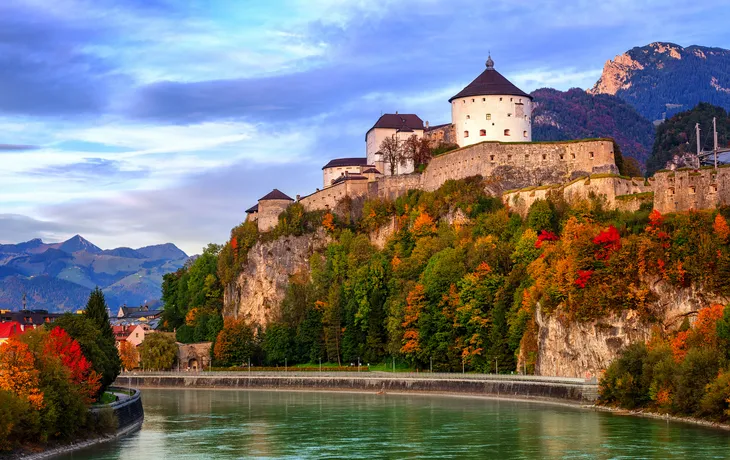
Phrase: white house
(491, 108)
(399, 126)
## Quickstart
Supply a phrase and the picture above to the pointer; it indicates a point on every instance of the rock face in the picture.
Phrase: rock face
(662, 79)
(257, 293)
(574, 349)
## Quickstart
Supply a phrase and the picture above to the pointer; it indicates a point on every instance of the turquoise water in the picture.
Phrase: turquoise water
(225, 424)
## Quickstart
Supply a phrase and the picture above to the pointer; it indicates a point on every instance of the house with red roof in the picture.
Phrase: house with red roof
(10, 329)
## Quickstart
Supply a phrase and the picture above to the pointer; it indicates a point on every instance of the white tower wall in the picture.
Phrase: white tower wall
(502, 118)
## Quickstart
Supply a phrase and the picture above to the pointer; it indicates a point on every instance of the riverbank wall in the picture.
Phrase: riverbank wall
(566, 390)
(128, 412)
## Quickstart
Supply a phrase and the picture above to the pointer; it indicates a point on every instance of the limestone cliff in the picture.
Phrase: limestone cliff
(575, 349)
(259, 289)
(662, 79)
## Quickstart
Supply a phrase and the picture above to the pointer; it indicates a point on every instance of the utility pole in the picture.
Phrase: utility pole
(714, 128)
(699, 148)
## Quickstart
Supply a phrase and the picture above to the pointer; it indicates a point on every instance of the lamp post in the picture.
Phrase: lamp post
(430, 365)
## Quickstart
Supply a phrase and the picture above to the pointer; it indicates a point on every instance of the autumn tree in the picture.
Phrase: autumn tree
(392, 153)
(18, 374)
(158, 351)
(415, 304)
(417, 150)
(59, 344)
(235, 343)
(129, 355)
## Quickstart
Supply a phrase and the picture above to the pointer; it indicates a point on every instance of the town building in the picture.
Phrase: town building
(341, 167)
(28, 318)
(142, 315)
(397, 126)
(134, 334)
(9, 329)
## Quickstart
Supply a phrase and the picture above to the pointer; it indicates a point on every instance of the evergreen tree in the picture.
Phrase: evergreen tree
(98, 315)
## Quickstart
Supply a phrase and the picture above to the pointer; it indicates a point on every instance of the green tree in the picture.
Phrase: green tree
(158, 351)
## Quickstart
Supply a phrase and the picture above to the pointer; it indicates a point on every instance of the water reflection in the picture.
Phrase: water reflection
(223, 424)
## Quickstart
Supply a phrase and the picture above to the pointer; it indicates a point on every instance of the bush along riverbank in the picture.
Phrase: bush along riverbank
(683, 374)
(50, 377)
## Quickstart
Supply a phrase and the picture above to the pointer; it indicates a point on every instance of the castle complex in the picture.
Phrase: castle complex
(491, 124)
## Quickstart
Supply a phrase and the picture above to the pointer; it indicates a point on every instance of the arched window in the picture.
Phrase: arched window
(466, 133)
(468, 117)
(482, 132)
(524, 133)
(489, 116)
(506, 132)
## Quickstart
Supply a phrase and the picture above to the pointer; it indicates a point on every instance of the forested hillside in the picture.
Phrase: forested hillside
(677, 136)
(459, 283)
(575, 114)
(662, 79)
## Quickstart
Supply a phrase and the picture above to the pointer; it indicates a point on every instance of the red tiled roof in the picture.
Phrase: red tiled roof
(10, 329)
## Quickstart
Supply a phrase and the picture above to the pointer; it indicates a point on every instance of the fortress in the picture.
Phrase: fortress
(492, 127)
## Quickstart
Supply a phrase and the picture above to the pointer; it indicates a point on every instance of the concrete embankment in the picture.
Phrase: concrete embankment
(129, 415)
(567, 390)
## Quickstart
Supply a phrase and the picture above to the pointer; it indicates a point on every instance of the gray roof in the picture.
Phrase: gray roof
(252, 209)
(490, 83)
(339, 162)
(275, 194)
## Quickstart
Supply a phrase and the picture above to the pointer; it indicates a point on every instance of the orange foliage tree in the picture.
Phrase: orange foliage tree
(415, 303)
(18, 374)
(328, 222)
(129, 355)
(722, 229)
(424, 225)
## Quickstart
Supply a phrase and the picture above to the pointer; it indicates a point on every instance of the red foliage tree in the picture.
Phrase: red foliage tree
(583, 277)
(62, 345)
(545, 235)
(609, 241)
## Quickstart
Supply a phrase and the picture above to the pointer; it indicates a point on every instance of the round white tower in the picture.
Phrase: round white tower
(491, 109)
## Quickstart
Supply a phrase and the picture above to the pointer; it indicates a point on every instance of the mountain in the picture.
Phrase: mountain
(575, 114)
(59, 277)
(78, 243)
(677, 137)
(166, 251)
(662, 79)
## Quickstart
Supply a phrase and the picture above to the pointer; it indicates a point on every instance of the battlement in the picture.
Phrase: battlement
(687, 189)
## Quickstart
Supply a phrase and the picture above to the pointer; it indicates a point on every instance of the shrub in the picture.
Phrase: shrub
(158, 351)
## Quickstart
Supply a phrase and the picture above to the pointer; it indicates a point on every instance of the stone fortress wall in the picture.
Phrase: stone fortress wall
(511, 165)
(268, 213)
(691, 189)
(618, 192)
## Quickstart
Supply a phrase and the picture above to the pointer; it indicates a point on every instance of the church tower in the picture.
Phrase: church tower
(491, 109)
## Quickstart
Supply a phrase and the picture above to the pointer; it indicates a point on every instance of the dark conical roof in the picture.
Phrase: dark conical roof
(490, 83)
(275, 194)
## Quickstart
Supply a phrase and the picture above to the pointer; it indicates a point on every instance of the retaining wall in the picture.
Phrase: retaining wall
(574, 391)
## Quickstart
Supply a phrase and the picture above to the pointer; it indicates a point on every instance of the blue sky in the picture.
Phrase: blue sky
(136, 122)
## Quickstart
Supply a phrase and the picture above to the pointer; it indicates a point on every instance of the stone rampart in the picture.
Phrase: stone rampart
(268, 213)
(516, 165)
(691, 189)
(391, 187)
(575, 391)
(617, 192)
(329, 197)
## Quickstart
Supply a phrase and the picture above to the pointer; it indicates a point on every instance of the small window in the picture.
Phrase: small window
(506, 132)
(670, 191)
(509, 157)
(520, 100)
(544, 157)
(692, 190)
(590, 155)
(500, 99)
(510, 99)
(509, 114)
(482, 132)
(713, 188)
(464, 101)
(472, 100)
(466, 133)
(468, 117)
(484, 99)
(491, 157)
(489, 116)
(524, 133)
(572, 156)
(562, 156)
(527, 156)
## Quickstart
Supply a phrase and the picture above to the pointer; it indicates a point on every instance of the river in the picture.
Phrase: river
(225, 424)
